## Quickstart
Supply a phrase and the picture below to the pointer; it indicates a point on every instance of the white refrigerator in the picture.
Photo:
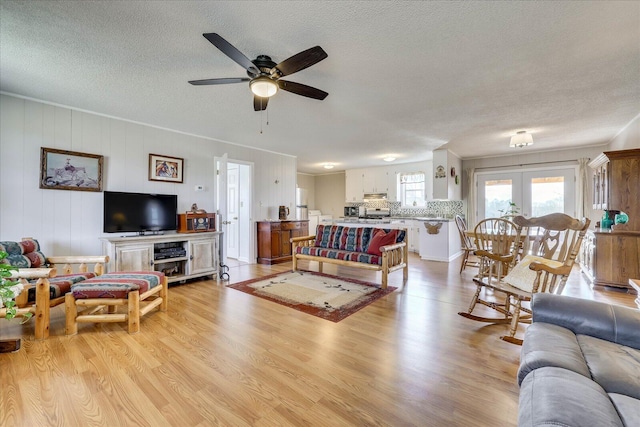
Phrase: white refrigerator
(301, 204)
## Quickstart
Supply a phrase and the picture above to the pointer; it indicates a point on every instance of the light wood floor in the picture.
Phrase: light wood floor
(222, 357)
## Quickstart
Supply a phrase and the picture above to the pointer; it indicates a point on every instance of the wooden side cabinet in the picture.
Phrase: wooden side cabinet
(273, 239)
(612, 257)
(615, 258)
(588, 255)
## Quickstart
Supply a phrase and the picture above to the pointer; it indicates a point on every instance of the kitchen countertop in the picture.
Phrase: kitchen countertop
(283, 220)
(357, 220)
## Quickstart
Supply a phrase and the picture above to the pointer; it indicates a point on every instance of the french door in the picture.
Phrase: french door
(535, 192)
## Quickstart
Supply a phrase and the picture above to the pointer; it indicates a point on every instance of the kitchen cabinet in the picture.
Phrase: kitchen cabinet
(274, 245)
(353, 185)
(179, 256)
(372, 180)
(392, 185)
(375, 180)
(413, 229)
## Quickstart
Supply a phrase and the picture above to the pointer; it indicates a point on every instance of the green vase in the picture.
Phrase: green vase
(621, 218)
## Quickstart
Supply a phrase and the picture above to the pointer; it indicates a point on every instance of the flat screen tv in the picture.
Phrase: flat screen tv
(139, 212)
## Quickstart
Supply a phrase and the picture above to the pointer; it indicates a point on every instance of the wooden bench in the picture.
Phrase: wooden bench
(350, 246)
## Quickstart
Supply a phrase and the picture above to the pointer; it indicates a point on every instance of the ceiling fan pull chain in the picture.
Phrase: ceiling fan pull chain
(267, 118)
(261, 111)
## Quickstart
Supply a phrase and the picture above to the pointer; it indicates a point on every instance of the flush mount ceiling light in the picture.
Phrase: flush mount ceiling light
(389, 159)
(263, 87)
(328, 165)
(521, 139)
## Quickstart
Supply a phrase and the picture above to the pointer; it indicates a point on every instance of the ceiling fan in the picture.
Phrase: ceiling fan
(264, 74)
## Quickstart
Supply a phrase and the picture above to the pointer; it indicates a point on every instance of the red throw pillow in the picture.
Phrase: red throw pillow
(381, 238)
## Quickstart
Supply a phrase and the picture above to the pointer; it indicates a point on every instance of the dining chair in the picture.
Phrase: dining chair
(468, 247)
(496, 243)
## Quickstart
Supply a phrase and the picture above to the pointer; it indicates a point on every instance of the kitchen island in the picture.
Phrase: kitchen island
(439, 239)
(442, 245)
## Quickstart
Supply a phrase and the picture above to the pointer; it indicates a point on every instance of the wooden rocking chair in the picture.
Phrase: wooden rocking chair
(541, 259)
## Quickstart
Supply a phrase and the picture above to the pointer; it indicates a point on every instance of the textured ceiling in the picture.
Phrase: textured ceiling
(403, 78)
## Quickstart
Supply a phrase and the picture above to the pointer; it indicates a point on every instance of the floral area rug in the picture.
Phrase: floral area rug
(329, 297)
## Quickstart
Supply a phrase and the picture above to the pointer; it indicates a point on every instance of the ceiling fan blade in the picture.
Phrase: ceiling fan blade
(233, 53)
(300, 89)
(300, 61)
(260, 103)
(219, 81)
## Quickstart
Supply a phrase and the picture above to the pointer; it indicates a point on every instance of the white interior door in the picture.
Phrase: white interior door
(233, 210)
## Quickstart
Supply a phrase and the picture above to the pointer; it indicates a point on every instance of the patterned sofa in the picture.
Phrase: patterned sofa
(361, 247)
(43, 287)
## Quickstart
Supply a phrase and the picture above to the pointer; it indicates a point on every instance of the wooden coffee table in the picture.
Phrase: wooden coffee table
(635, 284)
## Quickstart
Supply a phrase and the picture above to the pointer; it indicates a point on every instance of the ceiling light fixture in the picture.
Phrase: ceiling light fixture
(521, 139)
(329, 165)
(263, 87)
(389, 159)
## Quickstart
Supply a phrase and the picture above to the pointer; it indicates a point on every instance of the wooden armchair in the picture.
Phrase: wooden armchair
(43, 287)
(541, 258)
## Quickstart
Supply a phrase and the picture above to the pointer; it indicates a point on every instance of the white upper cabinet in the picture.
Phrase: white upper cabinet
(392, 185)
(376, 180)
(353, 185)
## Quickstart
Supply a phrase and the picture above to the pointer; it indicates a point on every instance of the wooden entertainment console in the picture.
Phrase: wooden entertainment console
(179, 256)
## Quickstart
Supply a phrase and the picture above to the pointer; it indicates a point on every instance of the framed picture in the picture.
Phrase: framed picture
(70, 170)
(163, 168)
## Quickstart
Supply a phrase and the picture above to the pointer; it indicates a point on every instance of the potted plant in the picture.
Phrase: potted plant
(9, 290)
(510, 212)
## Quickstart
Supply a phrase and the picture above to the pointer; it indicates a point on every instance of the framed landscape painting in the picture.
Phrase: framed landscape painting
(70, 170)
(164, 168)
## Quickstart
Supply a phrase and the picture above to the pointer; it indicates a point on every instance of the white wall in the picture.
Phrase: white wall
(628, 138)
(70, 222)
(536, 160)
(330, 193)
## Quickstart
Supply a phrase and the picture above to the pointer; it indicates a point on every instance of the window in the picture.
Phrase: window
(412, 189)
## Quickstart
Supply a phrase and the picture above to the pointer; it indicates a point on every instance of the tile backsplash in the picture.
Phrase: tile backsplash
(443, 208)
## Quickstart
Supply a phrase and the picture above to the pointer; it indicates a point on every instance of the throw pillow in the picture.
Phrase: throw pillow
(522, 277)
(379, 239)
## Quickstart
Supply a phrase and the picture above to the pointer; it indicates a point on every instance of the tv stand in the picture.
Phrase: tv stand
(179, 256)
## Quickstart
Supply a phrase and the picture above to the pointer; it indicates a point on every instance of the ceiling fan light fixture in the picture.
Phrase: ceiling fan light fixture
(263, 87)
(521, 139)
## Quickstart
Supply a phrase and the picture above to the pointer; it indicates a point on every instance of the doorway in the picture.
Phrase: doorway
(535, 192)
(234, 196)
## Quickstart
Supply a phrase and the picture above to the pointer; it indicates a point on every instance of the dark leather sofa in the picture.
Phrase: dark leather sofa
(580, 364)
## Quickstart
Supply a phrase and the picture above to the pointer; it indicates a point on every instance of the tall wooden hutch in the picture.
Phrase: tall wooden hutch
(612, 257)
